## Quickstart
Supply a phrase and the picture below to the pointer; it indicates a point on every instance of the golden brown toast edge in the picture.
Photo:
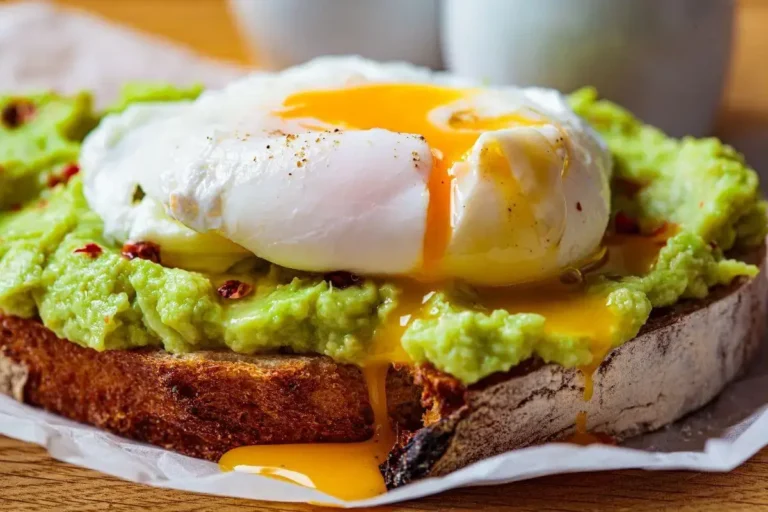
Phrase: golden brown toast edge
(201, 404)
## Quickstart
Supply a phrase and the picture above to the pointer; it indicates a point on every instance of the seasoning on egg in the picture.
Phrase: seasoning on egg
(138, 194)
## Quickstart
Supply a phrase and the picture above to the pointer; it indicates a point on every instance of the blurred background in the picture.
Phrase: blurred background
(690, 66)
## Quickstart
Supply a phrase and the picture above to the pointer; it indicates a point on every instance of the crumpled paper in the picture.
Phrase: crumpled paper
(42, 47)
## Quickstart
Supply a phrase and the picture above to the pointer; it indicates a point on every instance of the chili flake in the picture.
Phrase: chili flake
(91, 250)
(17, 112)
(64, 176)
(142, 250)
(342, 279)
(234, 289)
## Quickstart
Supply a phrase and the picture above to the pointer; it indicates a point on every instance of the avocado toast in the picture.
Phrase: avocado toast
(290, 342)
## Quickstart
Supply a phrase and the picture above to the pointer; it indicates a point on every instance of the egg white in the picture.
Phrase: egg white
(225, 177)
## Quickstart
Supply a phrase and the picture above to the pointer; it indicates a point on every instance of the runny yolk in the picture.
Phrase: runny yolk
(351, 470)
(626, 255)
(347, 471)
(409, 108)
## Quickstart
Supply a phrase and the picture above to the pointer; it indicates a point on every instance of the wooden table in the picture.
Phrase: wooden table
(31, 480)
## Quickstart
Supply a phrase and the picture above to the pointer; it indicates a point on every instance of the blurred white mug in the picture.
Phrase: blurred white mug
(665, 60)
(288, 32)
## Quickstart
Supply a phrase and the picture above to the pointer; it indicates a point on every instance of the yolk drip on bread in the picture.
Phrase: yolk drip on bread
(348, 471)
(351, 470)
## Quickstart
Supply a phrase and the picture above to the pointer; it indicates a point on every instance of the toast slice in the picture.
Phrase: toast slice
(200, 404)
(206, 403)
(682, 358)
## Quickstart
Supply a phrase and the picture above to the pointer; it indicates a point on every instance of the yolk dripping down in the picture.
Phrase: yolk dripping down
(348, 471)
(406, 108)
(351, 470)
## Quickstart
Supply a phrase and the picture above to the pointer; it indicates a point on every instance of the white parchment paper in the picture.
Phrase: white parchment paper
(42, 48)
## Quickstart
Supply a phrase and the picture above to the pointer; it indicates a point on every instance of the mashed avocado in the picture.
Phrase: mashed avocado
(38, 134)
(111, 302)
(702, 186)
(106, 301)
(100, 299)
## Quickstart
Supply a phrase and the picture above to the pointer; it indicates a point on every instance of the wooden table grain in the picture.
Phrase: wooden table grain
(30, 480)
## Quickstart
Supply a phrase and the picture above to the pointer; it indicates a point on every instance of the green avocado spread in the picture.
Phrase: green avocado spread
(56, 265)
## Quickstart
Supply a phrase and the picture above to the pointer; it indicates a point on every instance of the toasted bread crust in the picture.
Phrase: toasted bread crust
(682, 358)
(200, 405)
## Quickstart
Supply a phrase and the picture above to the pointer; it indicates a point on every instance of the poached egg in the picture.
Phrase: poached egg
(347, 164)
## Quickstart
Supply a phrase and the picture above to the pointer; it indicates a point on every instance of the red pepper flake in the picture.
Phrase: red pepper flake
(17, 112)
(626, 225)
(234, 289)
(578, 206)
(64, 176)
(70, 170)
(92, 250)
(341, 279)
(142, 250)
